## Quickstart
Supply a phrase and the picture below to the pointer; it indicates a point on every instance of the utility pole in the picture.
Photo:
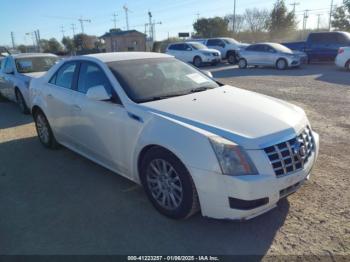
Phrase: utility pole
(126, 9)
(330, 16)
(81, 20)
(198, 14)
(115, 20)
(318, 21)
(150, 26)
(73, 29)
(234, 17)
(62, 31)
(294, 5)
(13, 40)
(39, 40)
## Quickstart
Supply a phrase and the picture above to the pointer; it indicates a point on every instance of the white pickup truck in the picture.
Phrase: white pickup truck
(228, 47)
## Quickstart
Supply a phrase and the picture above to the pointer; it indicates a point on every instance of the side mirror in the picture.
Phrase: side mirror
(188, 49)
(222, 45)
(9, 71)
(98, 93)
(207, 73)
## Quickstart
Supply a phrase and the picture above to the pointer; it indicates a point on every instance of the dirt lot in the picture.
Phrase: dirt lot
(56, 202)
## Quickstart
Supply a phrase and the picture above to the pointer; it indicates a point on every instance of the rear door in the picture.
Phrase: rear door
(59, 96)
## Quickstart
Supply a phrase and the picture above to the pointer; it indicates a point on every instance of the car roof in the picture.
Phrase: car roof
(122, 56)
(27, 55)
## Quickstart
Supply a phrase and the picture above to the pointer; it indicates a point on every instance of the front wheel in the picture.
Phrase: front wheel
(44, 131)
(21, 102)
(168, 184)
(281, 64)
(231, 58)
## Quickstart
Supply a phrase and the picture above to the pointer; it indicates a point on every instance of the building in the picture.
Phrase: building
(117, 40)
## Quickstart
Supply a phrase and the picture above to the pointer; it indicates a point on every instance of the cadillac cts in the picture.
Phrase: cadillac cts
(191, 142)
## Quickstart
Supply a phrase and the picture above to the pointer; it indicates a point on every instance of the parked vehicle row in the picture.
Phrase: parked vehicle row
(16, 73)
(191, 142)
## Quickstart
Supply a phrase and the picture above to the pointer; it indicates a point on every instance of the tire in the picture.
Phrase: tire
(44, 131)
(281, 64)
(21, 102)
(168, 184)
(347, 65)
(197, 61)
(231, 58)
(242, 63)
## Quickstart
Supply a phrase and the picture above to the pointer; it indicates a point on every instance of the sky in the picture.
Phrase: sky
(24, 16)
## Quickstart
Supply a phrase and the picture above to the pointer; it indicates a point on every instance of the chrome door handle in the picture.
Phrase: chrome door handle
(76, 108)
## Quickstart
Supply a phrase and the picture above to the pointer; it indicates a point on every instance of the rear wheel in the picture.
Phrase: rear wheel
(197, 61)
(242, 63)
(281, 64)
(231, 58)
(168, 184)
(21, 102)
(347, 65)
(44, 131)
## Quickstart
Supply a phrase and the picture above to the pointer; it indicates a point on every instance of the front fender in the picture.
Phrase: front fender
(189, 144)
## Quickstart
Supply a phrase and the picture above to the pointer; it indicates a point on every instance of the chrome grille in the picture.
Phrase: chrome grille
(293, 154)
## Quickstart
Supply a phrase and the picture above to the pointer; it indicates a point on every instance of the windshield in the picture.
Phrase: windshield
(198, 46)
(230, 41)
(158, 78)
(281, 48)
(35, 64)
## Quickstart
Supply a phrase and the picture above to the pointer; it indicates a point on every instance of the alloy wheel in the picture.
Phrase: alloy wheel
(43, 129)
(164, 184)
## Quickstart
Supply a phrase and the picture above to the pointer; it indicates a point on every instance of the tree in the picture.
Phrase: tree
(341, 17)
(68, 44)
(256, 20)
(211, 27)
(50, 46)
(281, 21)
(84, 42)
(22, 48)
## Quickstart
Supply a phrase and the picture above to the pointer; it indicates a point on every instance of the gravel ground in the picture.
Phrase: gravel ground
(56, 202)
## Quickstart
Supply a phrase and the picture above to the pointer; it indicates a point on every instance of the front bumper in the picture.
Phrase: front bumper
(245, 197)
(211, 59)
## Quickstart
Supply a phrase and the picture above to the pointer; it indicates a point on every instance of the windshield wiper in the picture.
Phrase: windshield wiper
(200, 89)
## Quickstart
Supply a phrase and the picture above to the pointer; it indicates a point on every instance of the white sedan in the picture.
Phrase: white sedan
(191, 142)
(343, 58)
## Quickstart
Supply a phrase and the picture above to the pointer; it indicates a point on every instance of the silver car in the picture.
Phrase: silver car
(18, 70)
(268, 54)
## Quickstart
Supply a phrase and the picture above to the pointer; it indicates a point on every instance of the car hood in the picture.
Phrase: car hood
(249, 119)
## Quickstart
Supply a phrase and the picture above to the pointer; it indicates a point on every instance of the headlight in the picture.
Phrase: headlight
(233, 160)
(206, 54)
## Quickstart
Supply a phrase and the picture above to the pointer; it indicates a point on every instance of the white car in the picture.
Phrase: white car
(191, 142)
(194, 52)
(343, 58)
(228, 47)
(16, 73)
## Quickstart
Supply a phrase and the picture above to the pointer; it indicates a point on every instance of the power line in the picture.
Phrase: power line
(294, 5)
(81, 20)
